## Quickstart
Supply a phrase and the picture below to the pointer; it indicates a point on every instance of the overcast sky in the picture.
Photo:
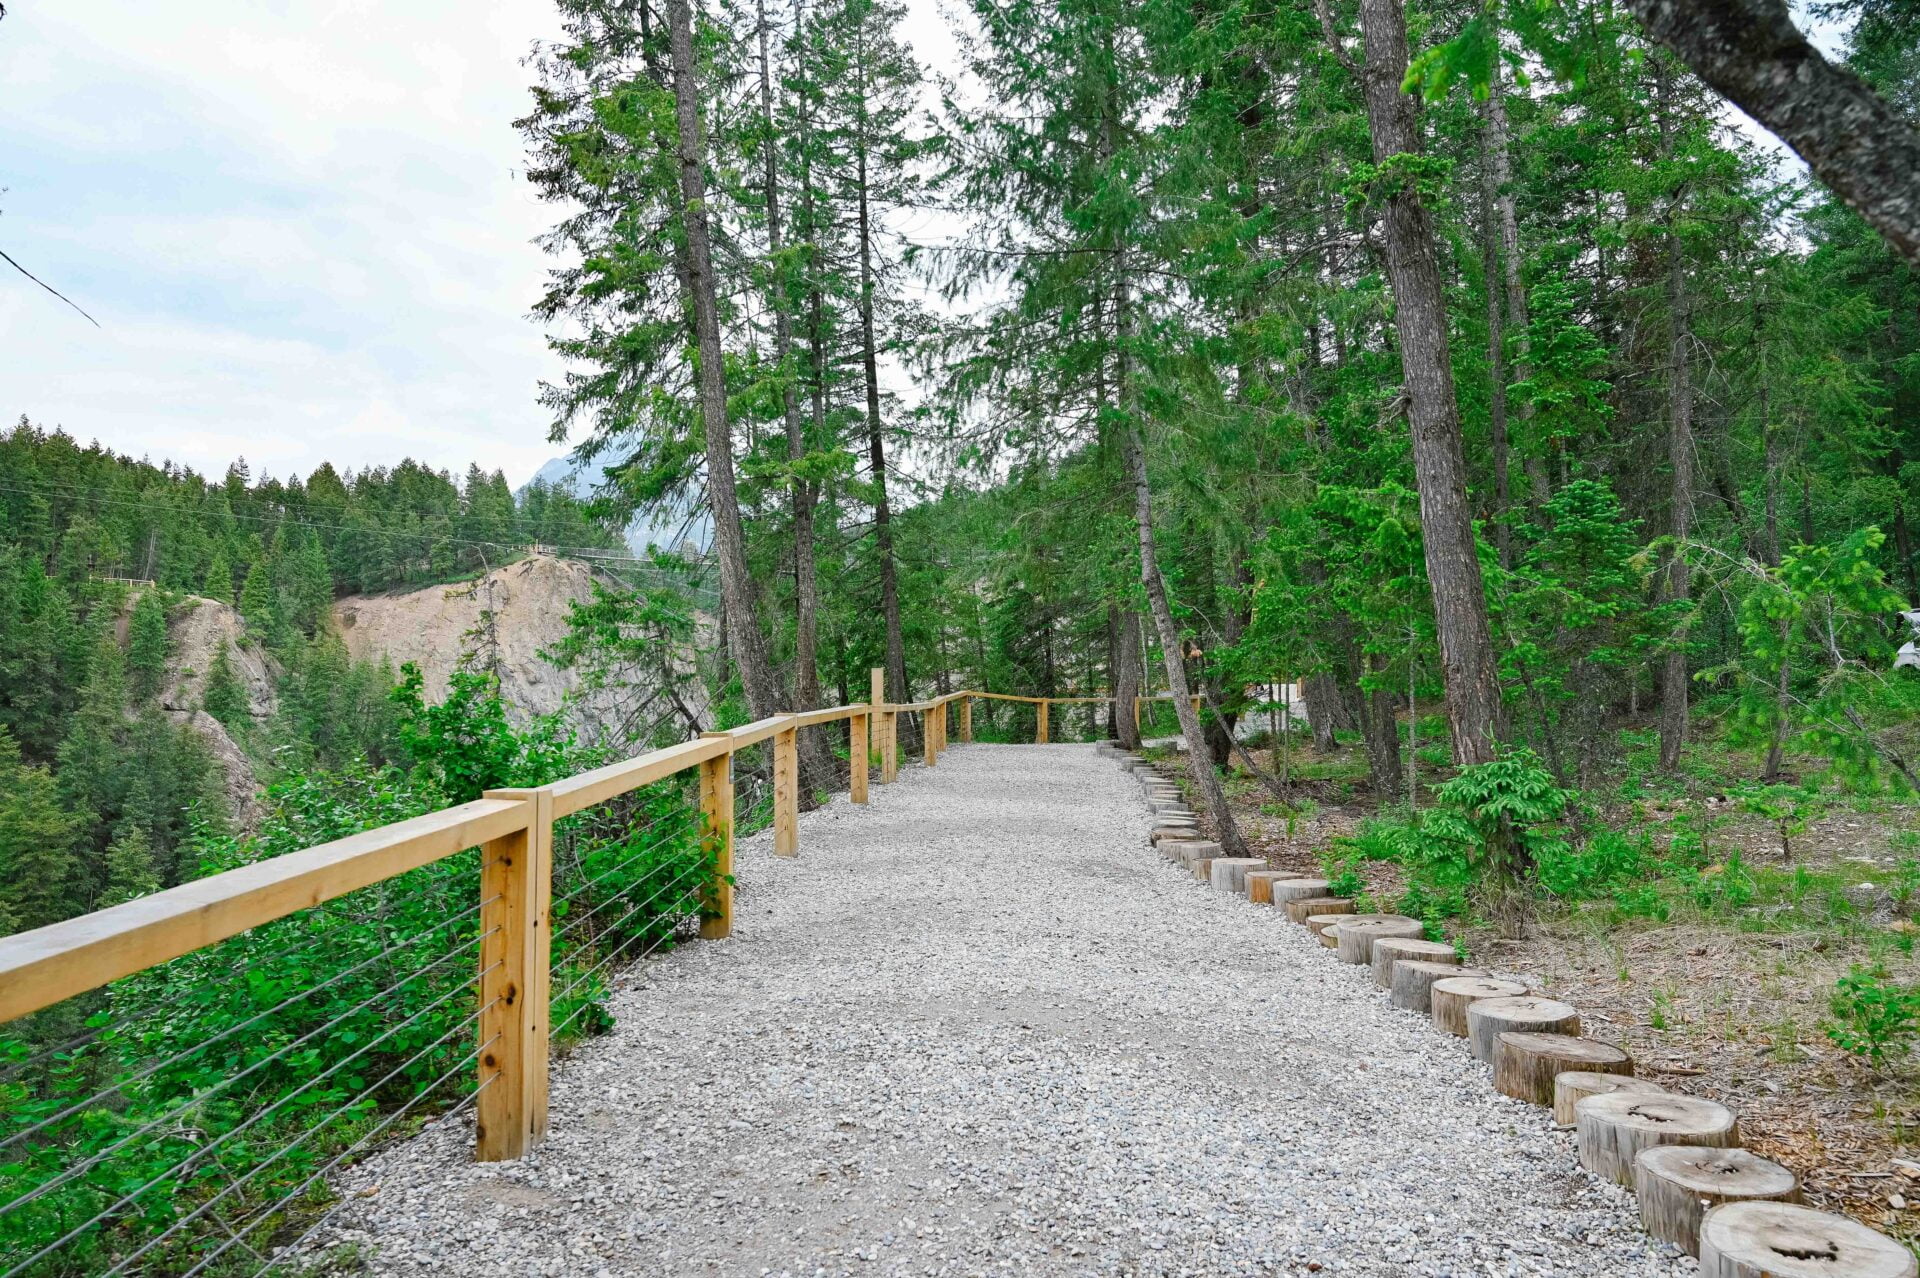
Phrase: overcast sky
(301, 227)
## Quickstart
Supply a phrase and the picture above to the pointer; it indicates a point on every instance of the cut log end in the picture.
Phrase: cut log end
(1489, 1018)
(1260, 884)
(1413, 982)
(1782, 1240)
(1525, 1064)
(1229, 873)
(1390, 950)
(1570, 1087)
(1450, 998)
(1355, 939)
(1612, 1129)
(1298, 890)
(1677, 1184)
(1306, 909)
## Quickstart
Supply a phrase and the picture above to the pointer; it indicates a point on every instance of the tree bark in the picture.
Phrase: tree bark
(1854, 140)
(1127, 676)
(896, 656)
(748, 645)
(1674, 684)
(817, 768)
(1420, 319)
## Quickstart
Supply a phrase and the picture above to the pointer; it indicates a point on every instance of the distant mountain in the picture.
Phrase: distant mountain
(680, 526)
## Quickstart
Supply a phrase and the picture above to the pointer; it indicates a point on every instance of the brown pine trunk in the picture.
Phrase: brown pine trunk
(818, 771)
(896, 656)
(748, 646)
(1126, 676)
(1420, 319)
(1674, 682)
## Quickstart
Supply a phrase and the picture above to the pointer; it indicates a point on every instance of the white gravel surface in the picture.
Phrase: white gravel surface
(978, 1027)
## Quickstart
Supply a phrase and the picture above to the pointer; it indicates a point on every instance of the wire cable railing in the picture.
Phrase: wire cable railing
(181, 1075)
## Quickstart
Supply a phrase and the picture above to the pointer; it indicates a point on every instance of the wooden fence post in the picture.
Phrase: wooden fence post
(966, 719)
(786, 793)
(1040, 733)
(930, 734)
(716, 807)
(516, 947)
(857, 758)
(885, 728)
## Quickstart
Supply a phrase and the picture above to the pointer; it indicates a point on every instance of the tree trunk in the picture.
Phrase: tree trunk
(1673, 678)
(896, 657)
(1127, 676)
(1420, 318)
(1855, 141)
(817, 769)
(747, 644)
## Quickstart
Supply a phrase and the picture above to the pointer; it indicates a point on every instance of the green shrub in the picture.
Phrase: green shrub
(1872, 1016)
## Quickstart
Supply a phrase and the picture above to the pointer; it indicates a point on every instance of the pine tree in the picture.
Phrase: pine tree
(223, 697)
(38, 837)
(260, 602)
(147, 646)
(130, 868)
(218, 585)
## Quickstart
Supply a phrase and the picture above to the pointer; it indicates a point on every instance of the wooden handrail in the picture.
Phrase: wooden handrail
(55, 962)
(48, 964)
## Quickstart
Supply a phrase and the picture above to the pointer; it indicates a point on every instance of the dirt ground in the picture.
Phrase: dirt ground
(1735, 1014)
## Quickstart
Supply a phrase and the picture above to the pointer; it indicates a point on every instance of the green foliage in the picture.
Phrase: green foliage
(38, 836)
(147, 646)
(1872, 1016)
(223, 697)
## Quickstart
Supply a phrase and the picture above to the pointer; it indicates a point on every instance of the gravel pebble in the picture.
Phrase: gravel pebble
(979, 1028)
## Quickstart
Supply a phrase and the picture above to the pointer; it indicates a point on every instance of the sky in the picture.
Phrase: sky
(302, 228)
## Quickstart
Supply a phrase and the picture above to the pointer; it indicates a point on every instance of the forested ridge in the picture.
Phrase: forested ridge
(1460, 375)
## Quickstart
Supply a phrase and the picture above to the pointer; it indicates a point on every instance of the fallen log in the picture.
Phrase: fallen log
(1612, 1130)
(1389, 950)
(1449, 998)
(1525, 1063)
(1784, 1240)
(1489, 1018)
(1678, 1184)
(1570, 1087)
(1353, 941)
(1413, 982)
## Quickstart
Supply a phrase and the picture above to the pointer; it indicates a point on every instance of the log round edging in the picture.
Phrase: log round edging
(1260, 884)
(1321, 923)
(1526, 1063)
(1448, 999)
(1353, 941)
(1229, 873)
(1785, 1240)
(1572, 1086)
(1390, 950)
(1306, 909)
(1488, 1019)
(1298, 889)
(1413, 982)
(1612, 1129)
(1677, 1184)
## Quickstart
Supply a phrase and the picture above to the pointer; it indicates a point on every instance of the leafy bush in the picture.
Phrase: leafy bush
(1872, 1016)
(1608, 861)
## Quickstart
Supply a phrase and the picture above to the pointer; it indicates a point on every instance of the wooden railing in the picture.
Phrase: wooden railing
(515, 828)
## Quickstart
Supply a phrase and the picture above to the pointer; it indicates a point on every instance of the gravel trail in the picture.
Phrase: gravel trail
(979, 1028)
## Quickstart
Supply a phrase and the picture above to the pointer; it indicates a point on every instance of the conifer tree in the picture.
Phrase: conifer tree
(147, 646)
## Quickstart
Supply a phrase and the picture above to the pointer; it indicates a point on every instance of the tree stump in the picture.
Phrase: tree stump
(1354, 939)
(1163, 832)
(1298, 890)
(1202, 868)
(1613, 1129)
(1305, 908)
(1678, 1184)
(1451, 996)
(1175, 850)
(1525, 1063)
(1260, 884)
(1413, 981)
(1198, 850)
(1573, 1086)
(1783, 1240)
(1389, 950)
(1229, 873)
(1489, 1018)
